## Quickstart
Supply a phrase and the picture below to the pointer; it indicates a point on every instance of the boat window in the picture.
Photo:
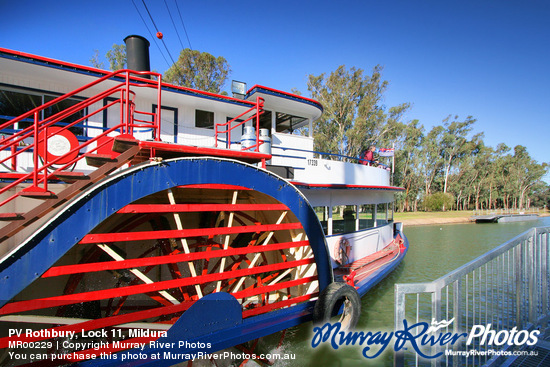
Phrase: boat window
(382, 214)
(15, 102)
(78, 129)
(390, 212)
(204, 119)
(265, 120)
(366, 217)
(322, 215)
(343, 219)
(288, 123)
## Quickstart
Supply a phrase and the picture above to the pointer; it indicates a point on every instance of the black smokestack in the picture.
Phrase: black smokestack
(137, 53)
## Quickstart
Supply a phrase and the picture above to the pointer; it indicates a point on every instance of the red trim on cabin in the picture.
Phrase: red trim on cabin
(197, 91)
(344, 186)
(105, 72)
(54, 61)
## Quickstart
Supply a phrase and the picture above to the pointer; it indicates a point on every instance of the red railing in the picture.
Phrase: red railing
(259, 109)
(39, 135)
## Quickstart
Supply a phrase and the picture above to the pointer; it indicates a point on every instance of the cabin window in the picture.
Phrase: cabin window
(288, 123)
(390, 212)
(78, 128)
(265, 120)
(366, 216)
(343, 219)
(322, 215)
(204, 119)
(15, 102)
(382, 214)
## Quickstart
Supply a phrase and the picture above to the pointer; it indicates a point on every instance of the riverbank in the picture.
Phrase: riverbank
(448, 217)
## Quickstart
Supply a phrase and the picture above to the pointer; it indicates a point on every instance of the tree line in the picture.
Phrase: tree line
(446, 167)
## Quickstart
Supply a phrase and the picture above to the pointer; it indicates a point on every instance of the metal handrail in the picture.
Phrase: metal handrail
(112, 75)
(40, 174)
(258, 107)
(18, 137)
(506, 287)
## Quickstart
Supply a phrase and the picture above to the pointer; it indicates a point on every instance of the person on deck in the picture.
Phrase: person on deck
(368, 158)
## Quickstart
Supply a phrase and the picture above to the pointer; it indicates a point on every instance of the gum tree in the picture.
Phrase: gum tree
(199, 70)
(354, 115)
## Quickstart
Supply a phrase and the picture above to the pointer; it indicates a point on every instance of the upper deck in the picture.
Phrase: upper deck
(188, 122)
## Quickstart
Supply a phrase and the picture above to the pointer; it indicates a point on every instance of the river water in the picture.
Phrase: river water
(434, 251)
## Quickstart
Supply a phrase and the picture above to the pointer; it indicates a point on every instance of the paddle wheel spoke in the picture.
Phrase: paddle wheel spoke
(153, 259)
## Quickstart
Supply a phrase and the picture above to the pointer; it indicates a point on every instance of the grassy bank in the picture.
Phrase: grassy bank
(419, 218)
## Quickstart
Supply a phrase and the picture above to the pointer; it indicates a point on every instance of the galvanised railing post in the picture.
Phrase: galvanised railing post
(399, 316)
(531, 279)
(457, 315)
(518, 274)
(436, 314)
(543, 245)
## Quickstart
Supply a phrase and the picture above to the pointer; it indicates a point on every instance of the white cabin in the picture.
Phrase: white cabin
(189, 118)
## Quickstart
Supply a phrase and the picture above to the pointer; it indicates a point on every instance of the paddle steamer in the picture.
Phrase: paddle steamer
(136, 208)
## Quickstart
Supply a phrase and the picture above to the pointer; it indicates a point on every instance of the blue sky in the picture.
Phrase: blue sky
(485, 58)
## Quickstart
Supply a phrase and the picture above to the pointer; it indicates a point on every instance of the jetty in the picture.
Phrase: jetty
(503, 216)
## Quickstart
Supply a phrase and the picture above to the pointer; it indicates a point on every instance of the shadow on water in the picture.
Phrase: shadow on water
(434, 251)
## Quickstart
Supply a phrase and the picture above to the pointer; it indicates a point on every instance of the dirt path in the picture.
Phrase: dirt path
(424, 221)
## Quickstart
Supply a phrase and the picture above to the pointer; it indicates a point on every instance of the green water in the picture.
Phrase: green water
(434, 251)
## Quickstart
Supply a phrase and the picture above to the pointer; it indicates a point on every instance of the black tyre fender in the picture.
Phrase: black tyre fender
(331, 300)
